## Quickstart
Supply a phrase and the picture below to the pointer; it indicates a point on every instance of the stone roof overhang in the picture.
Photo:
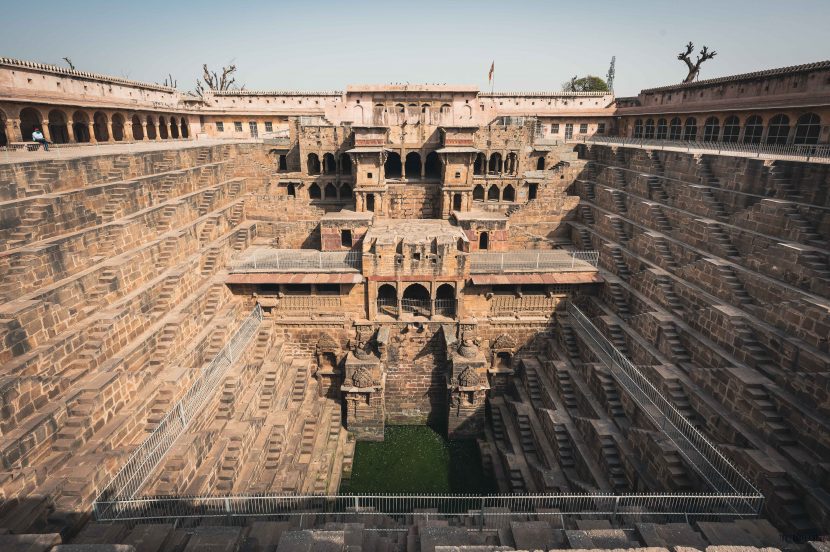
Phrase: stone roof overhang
(536, 278)
(368, 149)
(457, 149)
(753, 104)
(293, 278)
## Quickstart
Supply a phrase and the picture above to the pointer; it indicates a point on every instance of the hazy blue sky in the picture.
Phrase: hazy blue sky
(310, 45)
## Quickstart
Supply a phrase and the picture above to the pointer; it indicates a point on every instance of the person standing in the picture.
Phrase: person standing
(37, 136)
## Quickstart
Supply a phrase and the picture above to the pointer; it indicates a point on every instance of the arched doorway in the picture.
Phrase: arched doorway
(329, 166)
(493, 193)
(163, 128)
(392, 166)
(483, 241)
(387, 301)
(456, 202)
(478, 193)
(174, 128)
(509, 193)
(151, 129)
(30, 119)
(138, 132)
(413, 165)
(432, 166)
(99, 126)
(184, 130)
(445, 300)
(313, 164)
(495, 166)
(416, 300)
(480, 163)
(118, 127)
(346, 192)
(80, 127)
(58, 130)
(345, 164)
(314, 191)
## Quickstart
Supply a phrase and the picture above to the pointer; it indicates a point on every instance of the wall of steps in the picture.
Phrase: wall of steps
(112, 298)
(717, 272)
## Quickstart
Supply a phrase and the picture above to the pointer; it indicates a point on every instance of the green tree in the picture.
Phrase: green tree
(588, 83)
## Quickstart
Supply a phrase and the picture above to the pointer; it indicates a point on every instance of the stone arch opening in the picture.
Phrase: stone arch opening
(99, 126)
(163, 128)
(445, 300)
(345, 192)
(138, 132)
(118, 127)
(416, 300)
(330, 191)
(392, 166)
(493, 193)
(480, 163)
(413, 165)
(484, 241)
(313, 164)
(807, 129)
(329, 164)
(495, 166)
(58, 131)
(30, 119)
(151, 128)
(4, 140)
(509, 193)
(314, 191)
(80, 127)
(174, 128)
(345, 164)
(387, 300)
(503, 360)
(478, 193)
(753, 130)
(432, 167)
(456, 202)
(185, 131)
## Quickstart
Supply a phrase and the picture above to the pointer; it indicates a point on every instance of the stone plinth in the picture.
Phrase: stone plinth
(362, 390)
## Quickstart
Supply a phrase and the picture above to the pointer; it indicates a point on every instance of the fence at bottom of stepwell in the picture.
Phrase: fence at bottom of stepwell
(483, 510)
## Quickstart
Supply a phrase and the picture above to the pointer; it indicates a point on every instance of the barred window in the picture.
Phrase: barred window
(220, 126)
(554, 128)
(583, 128)
(237, 126)
(600, 128)
(269, 126)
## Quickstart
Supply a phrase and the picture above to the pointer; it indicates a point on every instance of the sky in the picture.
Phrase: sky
(325, 45)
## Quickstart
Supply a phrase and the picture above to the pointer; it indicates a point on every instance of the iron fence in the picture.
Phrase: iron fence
(389, 307)
(418, 307)
(143, 461)
(555, 260)
(298, 259)
(639, 507)
(700, 453)
(445, 307)
(817, 153)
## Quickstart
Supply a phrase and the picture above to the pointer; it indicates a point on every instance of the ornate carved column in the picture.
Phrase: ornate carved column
(92, 138)
(44, 127)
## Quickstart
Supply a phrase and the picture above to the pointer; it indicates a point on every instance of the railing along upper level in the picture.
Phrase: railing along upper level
(813, 153)
(283, 260)
(555, 260)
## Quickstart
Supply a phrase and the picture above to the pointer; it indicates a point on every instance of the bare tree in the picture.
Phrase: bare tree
(69, 62)
(694, 68)
(169, 81)
(212, 81)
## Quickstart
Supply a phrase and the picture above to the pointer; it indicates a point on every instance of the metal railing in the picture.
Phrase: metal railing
(143, 461)
(816, 153)
(419, 307)
(555, 260)
(701, 454)
(298, 259)
(445, 307)
(640, 507)
(389, 307)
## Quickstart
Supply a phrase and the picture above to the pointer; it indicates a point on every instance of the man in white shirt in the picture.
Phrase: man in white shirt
(37, 136)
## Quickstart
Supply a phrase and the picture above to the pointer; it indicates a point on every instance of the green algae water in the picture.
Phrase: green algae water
(417, 459)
